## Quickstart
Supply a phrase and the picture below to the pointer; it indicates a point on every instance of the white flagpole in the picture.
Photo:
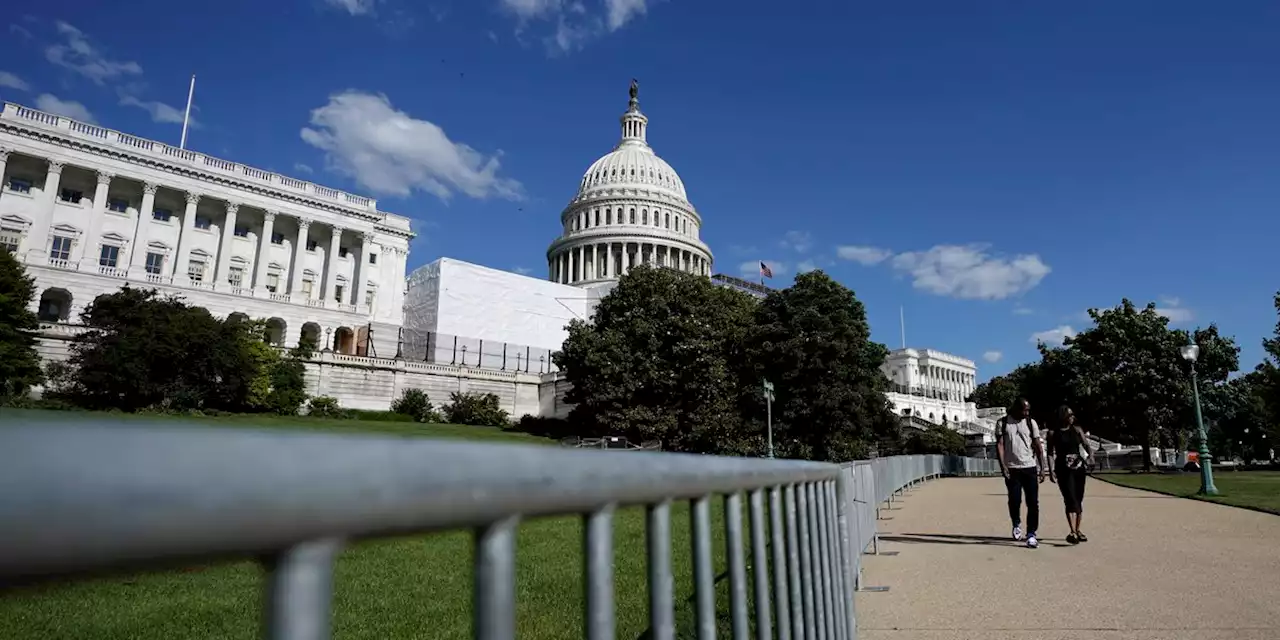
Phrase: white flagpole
(186, 117)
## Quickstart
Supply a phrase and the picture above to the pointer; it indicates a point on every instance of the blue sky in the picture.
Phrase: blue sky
(994, 168)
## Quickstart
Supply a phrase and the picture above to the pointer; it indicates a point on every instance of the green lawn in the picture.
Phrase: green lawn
(1251, 489)
(402, 588)
(292, 423)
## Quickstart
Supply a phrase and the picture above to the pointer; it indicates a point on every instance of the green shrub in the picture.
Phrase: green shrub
(545, 427)
(480, 409)
(415, 404)
(324, 407)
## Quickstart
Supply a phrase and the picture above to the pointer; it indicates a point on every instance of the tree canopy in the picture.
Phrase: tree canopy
(670, 356)
(147, 351)
(1124, 377)
(19, 362)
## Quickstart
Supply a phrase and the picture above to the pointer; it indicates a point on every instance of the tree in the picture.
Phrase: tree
(657, 362)
(1125, 379)
(144, 350)
(1268, 372)
(813, 342)
(999, 391)
(935, 438)
(19, 362)
(1237, 413)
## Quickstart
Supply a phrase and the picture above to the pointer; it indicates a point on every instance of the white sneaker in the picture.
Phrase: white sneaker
(1032, 543)
(1017, 533)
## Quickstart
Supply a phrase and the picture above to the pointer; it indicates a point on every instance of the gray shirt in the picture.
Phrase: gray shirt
(1018, 436)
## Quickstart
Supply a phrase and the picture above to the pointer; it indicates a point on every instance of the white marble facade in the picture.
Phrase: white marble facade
(89, 209)
(631, 208)
(931, 385)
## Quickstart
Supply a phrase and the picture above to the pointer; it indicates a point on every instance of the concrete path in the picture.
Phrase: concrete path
(1155, 568)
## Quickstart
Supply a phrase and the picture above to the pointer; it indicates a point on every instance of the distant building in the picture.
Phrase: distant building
(89, 209)
(746, 286)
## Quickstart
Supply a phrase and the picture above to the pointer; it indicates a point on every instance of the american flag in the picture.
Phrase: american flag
(765, 271)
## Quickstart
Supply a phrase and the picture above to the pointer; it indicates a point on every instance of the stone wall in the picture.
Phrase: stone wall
(373, 383)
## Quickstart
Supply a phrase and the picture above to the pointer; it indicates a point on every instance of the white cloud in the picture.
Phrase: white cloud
(806, 266)
(968, 272)
(1053, 337)
(620, 12)
(67, 108)
(160, 112)
(798, 241)
(1176, 315)
(575, 22)
(78, 55)
(992, 356)
(353, 7)
(302, 168)
(1171, 308)
(524, 271)
(751, 268)
(867, 256)
(1023, 311)
(389, 152)
(13, 82)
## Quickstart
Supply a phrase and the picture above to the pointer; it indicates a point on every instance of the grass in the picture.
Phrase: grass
(1258, 490)
(294, 423)
(400, 588)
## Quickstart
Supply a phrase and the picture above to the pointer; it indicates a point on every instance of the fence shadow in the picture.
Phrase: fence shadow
(958, 538)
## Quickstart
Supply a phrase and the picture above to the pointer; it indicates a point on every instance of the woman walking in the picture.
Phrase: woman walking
(1071, 455)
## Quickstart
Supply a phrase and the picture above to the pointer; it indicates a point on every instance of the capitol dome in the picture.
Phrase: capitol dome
(631, 208)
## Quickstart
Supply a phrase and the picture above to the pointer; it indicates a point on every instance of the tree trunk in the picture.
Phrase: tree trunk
(1146, 449)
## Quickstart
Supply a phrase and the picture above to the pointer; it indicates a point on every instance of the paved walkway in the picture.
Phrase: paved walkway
(1154, 568)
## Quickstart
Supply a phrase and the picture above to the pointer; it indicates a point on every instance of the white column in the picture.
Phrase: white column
(299, 250)
(608, 260)
(138, 250)
(90, 252)
(264, 243)
(626, 258)
(4, 160)
(331, 265)
(361, 275)
(402, 267)
(179, 265)
(224, 249)
(38, 242)
(573, 265)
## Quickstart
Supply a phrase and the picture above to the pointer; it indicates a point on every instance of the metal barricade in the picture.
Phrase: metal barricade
(110, 494)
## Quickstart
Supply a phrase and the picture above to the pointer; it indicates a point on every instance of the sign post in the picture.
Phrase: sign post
(768, 403)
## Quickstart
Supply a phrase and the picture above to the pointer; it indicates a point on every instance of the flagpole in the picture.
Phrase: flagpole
(186, 116)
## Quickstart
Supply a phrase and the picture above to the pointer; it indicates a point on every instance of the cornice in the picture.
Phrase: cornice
(87, 146)
(588, 238)
(576, 207)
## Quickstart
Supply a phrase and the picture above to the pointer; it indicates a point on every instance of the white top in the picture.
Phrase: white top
(1018, 436)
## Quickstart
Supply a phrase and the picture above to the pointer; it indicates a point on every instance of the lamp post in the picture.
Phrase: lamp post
(1190, 353)
(768, 403)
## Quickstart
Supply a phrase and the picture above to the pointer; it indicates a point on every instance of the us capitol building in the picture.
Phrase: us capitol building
(89, 209)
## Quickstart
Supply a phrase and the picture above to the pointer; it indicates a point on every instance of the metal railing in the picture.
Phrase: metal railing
(110, 495)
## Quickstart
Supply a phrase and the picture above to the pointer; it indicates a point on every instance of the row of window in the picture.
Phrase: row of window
(585, 219)
(119, 205)
(109, 256)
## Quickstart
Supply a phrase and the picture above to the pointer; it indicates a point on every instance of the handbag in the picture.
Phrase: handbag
(1078, 459)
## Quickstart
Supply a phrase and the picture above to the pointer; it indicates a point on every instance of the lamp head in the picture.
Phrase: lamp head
(1190, 352)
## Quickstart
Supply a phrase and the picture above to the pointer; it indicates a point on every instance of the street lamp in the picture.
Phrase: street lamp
(1190, 353)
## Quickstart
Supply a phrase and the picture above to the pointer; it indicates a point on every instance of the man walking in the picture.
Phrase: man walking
(1020, 451)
